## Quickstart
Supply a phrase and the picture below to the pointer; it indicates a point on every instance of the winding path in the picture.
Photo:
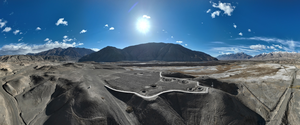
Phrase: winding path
(156, 95)
(153, 97)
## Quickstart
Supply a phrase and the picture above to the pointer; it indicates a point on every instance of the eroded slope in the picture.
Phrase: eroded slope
(93, 93)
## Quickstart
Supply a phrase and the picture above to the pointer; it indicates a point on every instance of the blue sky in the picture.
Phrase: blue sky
(213, 27)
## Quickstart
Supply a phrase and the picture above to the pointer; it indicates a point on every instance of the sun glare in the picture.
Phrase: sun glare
(143, 25)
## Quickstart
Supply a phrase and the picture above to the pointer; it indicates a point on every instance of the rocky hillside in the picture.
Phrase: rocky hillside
(148, 52)
(277, 56)
(236, 56)
(71, 53)
(31, 58)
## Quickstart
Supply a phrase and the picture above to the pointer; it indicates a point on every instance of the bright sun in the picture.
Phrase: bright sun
(143, 25)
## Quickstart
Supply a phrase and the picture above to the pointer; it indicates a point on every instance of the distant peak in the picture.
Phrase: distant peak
(234, 56)
(110, 47)
(279, 52)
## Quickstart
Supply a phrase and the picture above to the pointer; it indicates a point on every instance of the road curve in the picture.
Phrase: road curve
(153, 97)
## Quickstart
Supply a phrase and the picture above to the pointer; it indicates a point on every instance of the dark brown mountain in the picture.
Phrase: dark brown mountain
(236, 56)
(71, 53)
(31, 58)
(148, 52)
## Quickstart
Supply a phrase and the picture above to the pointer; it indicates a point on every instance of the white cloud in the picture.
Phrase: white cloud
(66, 39)
(7, 29)
(249, 30)
(111, 28)
(20, 39)
(171, 36)
(106, 25)
(278, 46)
(290, 43)
(16, 32)
(83, 31)
(208, 11)
(47, 39)
(79, 44)
(213, 15)
(185, 44)
(225, 53)
(21, 33)
(218, 42)
(241, 34)
(258, 47)
(95, 49)
(145, 16)
(234, 26)
(226, 7)
(179, 42)
(233, 49)
(2, 24)
(61, 21)
(274, 47)
(38, 28)
(22, 48)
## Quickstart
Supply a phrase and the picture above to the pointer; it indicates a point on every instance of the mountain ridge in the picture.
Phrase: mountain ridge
(279, 55)
(71, 53)
(234, 56)
(148, 52)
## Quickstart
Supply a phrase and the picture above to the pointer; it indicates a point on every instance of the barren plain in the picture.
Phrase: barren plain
(219, 92)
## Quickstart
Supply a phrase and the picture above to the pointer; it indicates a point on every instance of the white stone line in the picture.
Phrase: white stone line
(156, 95)
(180, 79)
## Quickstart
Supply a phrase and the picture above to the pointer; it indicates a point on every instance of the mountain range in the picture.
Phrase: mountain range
(70, 53)
(31, 58)
(277, 56)
(155, 52)
(148, 52)
(236, 56)
(264, 56)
